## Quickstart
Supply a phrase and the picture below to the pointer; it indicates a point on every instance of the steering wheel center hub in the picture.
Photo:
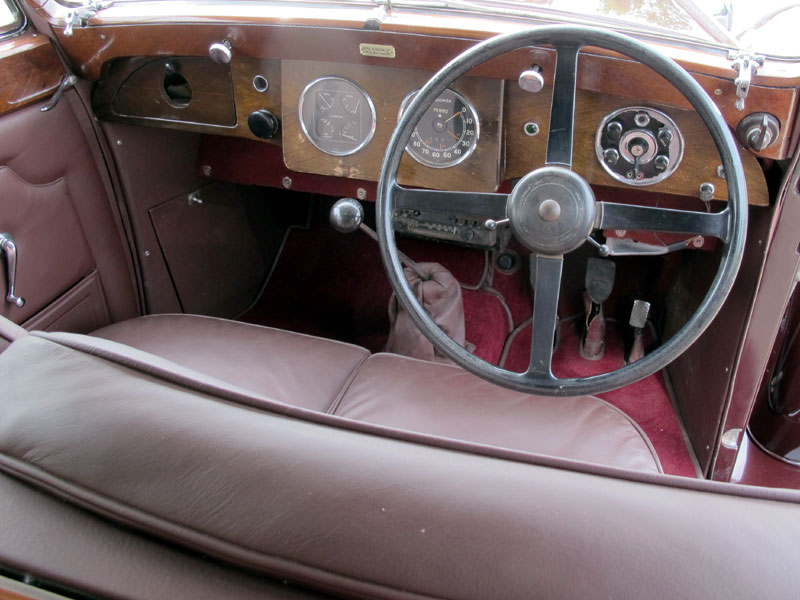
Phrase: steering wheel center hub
(552, 210)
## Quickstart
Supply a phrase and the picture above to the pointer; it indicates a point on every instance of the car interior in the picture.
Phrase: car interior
(373, 300)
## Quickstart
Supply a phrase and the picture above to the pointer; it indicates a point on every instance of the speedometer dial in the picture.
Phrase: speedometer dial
(446, 134)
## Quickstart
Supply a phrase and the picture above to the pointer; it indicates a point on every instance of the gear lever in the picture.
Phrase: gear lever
(433, 285)
(600, 275)
(347, 215)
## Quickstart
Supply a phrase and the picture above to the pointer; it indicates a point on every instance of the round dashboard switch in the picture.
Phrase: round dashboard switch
(263, 124)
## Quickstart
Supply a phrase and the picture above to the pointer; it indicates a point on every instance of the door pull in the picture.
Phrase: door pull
(9, 249)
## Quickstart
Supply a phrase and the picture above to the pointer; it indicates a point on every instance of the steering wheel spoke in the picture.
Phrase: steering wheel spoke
(562, 111)
(546, 283)
(487, 205)
(611, 215)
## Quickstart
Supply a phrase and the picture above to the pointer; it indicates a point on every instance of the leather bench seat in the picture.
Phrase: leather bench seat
(438, 400)
(297, 369)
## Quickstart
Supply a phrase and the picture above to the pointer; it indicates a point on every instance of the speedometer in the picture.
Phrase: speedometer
(446, 134)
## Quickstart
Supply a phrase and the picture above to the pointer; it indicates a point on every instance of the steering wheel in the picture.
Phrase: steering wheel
(552, 210)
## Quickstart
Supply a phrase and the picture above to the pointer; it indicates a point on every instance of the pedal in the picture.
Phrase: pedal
(638, 321)
(600, 275)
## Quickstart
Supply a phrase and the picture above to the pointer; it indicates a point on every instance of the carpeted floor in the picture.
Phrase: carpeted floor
(333, 285)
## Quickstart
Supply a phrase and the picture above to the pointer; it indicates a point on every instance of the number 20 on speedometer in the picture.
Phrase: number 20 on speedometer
(446, 134)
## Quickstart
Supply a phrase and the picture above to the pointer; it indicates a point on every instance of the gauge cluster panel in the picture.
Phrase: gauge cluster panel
(639, 145)
(447, 133)
(338, 118)
(337, 115)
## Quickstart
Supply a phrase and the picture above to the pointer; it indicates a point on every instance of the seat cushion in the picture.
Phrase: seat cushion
(296, 369)
(446, 401)
(389, 390)
(351, 509)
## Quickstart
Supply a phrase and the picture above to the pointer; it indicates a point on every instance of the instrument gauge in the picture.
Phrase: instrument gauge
(337, 116)
(446, 134)
(351, 103)
(639, 145)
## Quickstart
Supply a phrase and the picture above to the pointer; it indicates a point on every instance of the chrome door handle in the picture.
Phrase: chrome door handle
(9, 248)
(66, 82)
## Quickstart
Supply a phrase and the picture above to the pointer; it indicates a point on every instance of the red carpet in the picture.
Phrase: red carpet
(333, 285)
(645, 401)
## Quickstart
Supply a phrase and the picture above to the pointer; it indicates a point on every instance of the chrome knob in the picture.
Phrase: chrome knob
(661, 162)
(532, 80)
(220, 52)
(611, 156)
(706, 192)
(758, 131)
(346, 215)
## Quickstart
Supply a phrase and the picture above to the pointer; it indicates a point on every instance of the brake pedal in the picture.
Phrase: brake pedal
(600, 275)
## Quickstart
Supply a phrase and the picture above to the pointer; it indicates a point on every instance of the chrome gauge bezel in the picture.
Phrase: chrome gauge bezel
(452, 163)
(676, 145)
(310, 137)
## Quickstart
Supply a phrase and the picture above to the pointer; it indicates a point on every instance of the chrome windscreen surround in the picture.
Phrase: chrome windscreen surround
(639, 145)
(341, 119)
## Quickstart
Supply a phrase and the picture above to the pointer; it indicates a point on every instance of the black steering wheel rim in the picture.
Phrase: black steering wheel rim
(733, 218)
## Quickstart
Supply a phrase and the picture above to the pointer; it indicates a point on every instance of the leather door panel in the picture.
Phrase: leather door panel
(73, 268)
(52, 252)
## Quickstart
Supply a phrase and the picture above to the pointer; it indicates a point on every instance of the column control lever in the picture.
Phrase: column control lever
(9, 249)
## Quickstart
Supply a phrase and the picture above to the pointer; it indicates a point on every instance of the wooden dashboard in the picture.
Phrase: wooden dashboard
(129, 64)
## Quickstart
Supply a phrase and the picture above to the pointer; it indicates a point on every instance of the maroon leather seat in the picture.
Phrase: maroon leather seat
(345, 506)
(297, 369)
(430, 398)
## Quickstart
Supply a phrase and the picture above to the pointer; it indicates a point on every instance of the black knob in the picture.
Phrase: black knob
(614, 130)
(611, 156)
(263, 124)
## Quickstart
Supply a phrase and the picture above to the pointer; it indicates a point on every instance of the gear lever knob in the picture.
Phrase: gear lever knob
(346, 215)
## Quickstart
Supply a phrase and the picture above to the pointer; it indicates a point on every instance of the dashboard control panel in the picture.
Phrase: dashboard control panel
(449, 227)
(639, 145)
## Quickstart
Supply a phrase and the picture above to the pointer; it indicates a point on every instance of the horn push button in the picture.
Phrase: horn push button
(552, 210)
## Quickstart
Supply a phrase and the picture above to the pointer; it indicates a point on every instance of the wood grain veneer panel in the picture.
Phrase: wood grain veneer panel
(29, 71)
(599, 70)
(388, 87)
(132, 90)
(404, 20)
(248, 99)
(699, 163)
